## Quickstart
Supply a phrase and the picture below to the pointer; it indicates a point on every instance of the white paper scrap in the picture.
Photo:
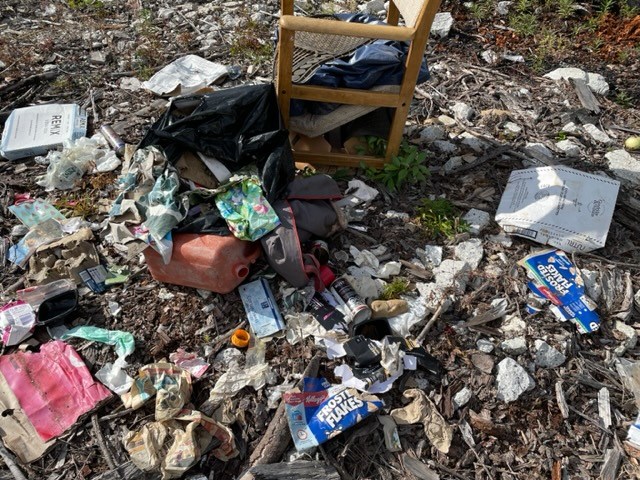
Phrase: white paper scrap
(559, 206)
(185, 75)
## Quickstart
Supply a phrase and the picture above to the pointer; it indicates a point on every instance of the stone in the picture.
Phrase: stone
(373, 7)
(462, 112)
(478, 220)
(452, 273)
(442, 24)
(483, 362)
(592, 285)
(461, 398)
(631, 338)
(594, 81)
(433, 296)
(501, 239)
(513, 58)
(452, 164)
(539, 151)
(485, 346)
(165, 13)
(513, 326)
(431, 133)
(431, 256)
(502, 8)
(512, 380)
(512, 127)
(597, 134)
(446, 120)
(397, 215)
(445, 146)
(569, 148)
(547, 356)
(514, 346)
(570, 128)
(489, 56)
(98, 58)
(624, 166)
(470, 252)
(473, 142)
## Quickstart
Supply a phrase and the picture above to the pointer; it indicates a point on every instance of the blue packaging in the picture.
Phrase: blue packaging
(316, 416)
(261, 307)
(555, 278)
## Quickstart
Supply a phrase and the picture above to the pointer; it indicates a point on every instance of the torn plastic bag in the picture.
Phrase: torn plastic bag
(237, 126)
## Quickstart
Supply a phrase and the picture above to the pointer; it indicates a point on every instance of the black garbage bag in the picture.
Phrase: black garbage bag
(237, 126)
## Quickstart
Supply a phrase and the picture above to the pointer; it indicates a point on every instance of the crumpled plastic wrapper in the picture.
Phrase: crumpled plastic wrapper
(179, 436)
(422, 410)
(195, 365)
(185, 75)
(234, 380)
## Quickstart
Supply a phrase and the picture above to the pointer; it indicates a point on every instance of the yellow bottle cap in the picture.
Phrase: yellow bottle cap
(240, 338)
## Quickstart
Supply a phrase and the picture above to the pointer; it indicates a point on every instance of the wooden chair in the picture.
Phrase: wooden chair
(418, 16)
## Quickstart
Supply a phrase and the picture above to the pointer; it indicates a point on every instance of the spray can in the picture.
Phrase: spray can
(320, 250)
(113, 138)
(345, 293)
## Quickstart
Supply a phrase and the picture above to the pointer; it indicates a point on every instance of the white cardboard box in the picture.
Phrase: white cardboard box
(35, 130)
(559, 206)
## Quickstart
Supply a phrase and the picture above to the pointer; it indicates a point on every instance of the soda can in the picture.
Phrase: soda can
(113, 138)
(320, 250)
(344, 292)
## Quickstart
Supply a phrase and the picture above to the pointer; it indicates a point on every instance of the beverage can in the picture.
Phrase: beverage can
(320, 250)
(344, 292)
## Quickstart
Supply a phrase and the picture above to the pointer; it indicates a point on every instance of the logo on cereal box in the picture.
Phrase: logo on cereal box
(338, 407)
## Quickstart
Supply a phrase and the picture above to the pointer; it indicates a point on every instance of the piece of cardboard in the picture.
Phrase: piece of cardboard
(559, 206)
(190, 167)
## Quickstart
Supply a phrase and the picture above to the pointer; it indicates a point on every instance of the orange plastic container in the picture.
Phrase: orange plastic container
(210, 262)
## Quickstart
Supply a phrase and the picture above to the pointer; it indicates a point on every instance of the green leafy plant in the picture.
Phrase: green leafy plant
(565, 8)
(85, 4)
(560, 136)
(394, 289)
(481, 9)
(252, 42)
(524, 23)
(342, 174)
(440, 218)
(628, 11)
(623, 99)
(606, 6)
(409, 166)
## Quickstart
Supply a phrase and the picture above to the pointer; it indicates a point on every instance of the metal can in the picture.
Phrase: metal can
(320, 250)
(344, 292)
(113, 138)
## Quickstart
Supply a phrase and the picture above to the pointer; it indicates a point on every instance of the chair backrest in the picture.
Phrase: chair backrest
(410, 10)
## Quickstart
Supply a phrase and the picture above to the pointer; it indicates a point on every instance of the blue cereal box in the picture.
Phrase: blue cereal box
(556, 279)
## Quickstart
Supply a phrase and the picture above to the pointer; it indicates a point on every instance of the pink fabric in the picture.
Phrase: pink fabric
(54, 387)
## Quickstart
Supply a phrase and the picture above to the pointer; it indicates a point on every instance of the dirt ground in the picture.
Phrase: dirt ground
(87, 52)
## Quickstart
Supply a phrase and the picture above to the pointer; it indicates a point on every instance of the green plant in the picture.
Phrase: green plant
(342, 174)
(252, 42)
(628, 11)
(481, 9)
(85, 4)
(560, 136)
(565, 8)
(407, 167)
(394, 289)
(606, 6)
(597, 43)
(524, 23)
(623, 99)
(440, 218)
(523, 6)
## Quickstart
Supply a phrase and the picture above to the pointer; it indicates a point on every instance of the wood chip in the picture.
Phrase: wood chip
(562, 403)
(419, 469)
(604, 407)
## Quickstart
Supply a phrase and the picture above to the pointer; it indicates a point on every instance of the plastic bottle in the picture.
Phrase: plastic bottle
(209, 262)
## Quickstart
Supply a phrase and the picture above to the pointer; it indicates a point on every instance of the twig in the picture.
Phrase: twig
(101, 442)
(612, 262)
(483, 159)
(432, 321)
(10, 462)
(26, 81)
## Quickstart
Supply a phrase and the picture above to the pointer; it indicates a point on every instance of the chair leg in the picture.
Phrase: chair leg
(283, 74)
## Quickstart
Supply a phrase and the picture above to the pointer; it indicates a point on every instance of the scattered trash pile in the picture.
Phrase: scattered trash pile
(211, 199)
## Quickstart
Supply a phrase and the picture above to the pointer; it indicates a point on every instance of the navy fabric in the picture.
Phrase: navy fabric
(377, 63)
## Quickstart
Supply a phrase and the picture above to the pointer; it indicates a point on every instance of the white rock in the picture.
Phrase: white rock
(569, 148)
(478, 220)
(446, 120)
(595, 81)
(513, 326)
(539, 151)
(484, 346)
(431, 256)
(512, 380)
(502, 239)
(452, 273)
(514, 346)
(452, 164)
(632, 338)
(461, 111)
(547, 356)
(624, 166)
(397, 215)
(512, 127)
(165, 13)
(373, 6)
(503, 8)
(389, 269)
(597, 134)
(470, 252)
(489, 56)
(98, 57)
(432, 133)
(513, 58)
(445, 146)
(442, 24)
(433, 295)
(570, 128)
(461, 398)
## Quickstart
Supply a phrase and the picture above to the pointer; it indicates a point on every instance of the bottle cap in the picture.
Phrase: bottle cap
(326, 275)
(240, 338)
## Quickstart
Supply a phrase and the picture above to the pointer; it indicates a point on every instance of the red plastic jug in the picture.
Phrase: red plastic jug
(209, 262)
